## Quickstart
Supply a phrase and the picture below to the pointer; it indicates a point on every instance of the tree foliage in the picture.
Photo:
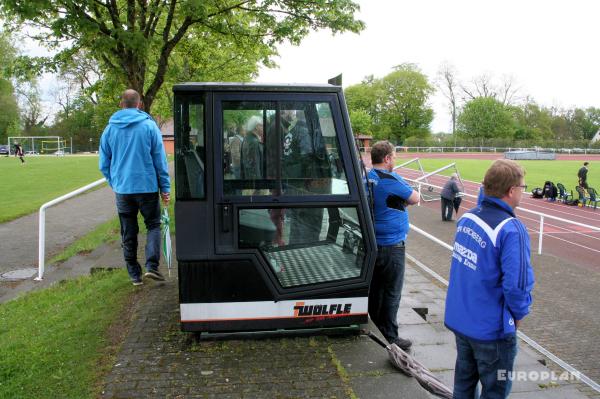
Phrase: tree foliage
(486, 117)
(396, 103)
(532, 122)
(9, 115)
(404, 102)
(141, 44)
(361, 122)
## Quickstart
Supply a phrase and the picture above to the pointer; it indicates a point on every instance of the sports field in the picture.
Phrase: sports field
(538, 172)
(25, 187)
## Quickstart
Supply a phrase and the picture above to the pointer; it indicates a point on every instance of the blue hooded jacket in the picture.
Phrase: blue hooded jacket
(132, 156)
(491, 277)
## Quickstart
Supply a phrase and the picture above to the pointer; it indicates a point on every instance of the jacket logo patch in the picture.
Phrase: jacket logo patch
(465, 256)
(473, 234)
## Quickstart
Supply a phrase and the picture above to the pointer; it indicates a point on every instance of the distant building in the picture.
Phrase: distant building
(166, 129)
(364, 141)
(596, 137)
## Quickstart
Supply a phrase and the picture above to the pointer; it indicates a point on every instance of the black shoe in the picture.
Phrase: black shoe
(137, 281)
(402, 343)
(154, 275)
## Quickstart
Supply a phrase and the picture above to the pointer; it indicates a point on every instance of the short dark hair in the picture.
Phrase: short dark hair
(130, 98)
(586, 163)
(501, 176)
(380, 150)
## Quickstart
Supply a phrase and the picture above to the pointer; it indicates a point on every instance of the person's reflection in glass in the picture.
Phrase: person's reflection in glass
(252, 150)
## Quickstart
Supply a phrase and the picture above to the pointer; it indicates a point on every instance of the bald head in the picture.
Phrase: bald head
(130, 99)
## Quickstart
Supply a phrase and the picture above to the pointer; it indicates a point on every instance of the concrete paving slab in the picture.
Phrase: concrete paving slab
(407, 316)
(426, 334)
(551, 393)
(435, 357)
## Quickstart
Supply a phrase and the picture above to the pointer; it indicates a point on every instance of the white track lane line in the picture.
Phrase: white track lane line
(547, 207)
(536, 222)
(530, 201)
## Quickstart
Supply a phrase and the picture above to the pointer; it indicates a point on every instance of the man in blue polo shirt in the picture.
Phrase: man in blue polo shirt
(391, 196)
(491, 280)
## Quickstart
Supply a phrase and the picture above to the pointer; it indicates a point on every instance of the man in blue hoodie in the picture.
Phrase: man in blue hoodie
(491, 280)
(132, 158)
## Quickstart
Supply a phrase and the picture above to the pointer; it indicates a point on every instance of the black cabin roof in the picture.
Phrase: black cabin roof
(254, 87)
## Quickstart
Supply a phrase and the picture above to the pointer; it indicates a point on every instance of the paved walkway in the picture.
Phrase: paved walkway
(157, 360)
(563, 317)
(65, 223)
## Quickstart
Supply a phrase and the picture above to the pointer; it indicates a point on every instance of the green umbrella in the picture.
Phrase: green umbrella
(166, 237)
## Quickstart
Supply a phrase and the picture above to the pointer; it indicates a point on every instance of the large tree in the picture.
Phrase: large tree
(448, 84)
(532, 121)
(405, 93)
(136, 40)
(397, 103)
(9, 110)
(486, 117)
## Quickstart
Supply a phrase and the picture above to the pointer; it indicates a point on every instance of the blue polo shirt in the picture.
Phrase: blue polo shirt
(390, 193)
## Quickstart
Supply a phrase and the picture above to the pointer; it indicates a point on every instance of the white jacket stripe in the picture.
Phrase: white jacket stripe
(492, 233)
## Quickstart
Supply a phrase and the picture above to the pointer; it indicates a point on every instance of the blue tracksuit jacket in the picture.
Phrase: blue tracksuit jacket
(491, 277)
(132, 156)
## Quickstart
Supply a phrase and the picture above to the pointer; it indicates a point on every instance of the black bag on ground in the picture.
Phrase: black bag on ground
(572, 202)
(537, 192)
(456, 203)
(550, 190)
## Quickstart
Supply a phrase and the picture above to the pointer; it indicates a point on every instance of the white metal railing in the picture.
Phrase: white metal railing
(540, 214)
(579, 375)
(497, 149)
(42, 223)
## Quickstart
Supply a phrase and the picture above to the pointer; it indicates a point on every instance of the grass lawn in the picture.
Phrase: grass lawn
(107, 232)
(538, 172)
(53, 342)
(40, 179)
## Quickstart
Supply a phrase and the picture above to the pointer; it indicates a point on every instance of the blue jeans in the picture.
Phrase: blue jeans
(484, 362)
(386, 289)
(128, 206)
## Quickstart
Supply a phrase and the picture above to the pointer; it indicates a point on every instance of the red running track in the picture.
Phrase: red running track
(574, 243)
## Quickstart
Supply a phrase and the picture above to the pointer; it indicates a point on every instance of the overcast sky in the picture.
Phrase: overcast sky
(550, 48)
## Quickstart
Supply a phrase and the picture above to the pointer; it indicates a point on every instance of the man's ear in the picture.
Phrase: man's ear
(141, 105)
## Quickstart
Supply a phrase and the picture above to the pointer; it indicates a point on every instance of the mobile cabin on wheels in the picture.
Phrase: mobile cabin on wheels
(273, 228)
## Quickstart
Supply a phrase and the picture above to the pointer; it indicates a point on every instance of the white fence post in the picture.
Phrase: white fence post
(419, 203)
(541, 234)
(42, 223)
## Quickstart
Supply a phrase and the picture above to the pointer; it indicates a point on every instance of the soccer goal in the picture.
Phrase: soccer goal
(36, 145)
(429, 185)
(53, 147)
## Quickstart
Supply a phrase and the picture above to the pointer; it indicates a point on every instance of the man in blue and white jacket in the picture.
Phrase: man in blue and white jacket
(132, 158)
(491, 280)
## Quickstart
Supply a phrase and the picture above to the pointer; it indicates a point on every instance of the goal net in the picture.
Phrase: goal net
(36, 145)
(56, 147)
(430, 184)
